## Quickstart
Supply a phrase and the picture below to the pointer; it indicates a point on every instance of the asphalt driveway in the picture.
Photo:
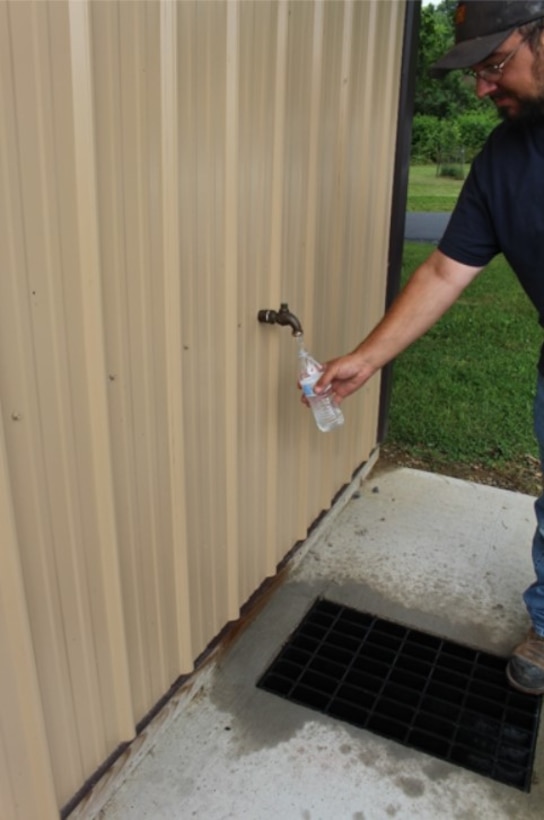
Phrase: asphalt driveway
(425, 227)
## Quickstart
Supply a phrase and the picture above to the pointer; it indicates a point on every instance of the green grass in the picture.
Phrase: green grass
(429, 192)
(463, 392)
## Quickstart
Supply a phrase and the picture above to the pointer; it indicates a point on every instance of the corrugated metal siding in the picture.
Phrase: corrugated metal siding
(167, 170)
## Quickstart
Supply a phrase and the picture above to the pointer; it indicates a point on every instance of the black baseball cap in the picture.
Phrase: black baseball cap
(481, 26)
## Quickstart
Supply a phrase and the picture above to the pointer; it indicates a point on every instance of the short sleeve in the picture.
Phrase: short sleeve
(470, 236)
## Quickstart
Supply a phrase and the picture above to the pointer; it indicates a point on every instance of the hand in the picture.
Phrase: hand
(344, 375)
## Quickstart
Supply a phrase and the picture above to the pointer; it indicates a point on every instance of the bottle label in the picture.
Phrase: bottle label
(307, 384)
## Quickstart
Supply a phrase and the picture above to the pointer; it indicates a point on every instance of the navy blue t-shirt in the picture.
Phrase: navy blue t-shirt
(501, 208)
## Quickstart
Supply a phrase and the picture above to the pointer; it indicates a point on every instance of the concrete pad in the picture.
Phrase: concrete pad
(432, 552)
(436, 553)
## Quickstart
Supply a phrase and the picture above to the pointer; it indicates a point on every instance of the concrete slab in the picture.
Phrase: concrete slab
(436, 553)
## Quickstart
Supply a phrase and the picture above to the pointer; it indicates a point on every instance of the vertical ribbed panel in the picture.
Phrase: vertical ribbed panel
(26, 783)
(173, 336)
(167, 170)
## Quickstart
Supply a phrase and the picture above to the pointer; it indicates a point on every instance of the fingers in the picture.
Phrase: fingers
(331, 372)
(326, 381)
(334, 375)
(343, 376)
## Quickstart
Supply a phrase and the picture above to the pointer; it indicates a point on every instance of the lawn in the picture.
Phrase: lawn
(462, 395)
(429, 192)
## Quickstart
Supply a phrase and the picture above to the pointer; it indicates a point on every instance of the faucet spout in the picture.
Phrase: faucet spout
(283, 317)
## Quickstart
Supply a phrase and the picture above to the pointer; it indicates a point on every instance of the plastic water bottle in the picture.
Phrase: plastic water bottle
(327, 415)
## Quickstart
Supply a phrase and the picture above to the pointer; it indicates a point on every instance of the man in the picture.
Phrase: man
(500, 210)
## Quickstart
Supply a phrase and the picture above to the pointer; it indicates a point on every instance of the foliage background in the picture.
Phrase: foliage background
(462, 395)
(450, 122)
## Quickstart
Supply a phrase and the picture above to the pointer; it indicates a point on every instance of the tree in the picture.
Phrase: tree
(449, 119)
(451, 95)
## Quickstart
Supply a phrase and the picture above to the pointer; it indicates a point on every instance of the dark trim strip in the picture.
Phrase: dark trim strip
(400, 184)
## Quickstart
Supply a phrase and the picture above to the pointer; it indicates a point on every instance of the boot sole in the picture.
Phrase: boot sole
(525, 689)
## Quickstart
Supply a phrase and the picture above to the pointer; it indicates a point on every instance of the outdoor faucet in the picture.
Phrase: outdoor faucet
(283, 316)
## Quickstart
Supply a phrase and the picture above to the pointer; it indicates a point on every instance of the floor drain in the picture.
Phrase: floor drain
(427, 693)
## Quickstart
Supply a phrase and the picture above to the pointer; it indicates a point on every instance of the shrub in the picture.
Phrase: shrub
(425, 138)
(453, 171)
(474, 130)
(442, 141)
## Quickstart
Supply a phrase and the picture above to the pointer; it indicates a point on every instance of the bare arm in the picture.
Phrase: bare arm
(432, 289)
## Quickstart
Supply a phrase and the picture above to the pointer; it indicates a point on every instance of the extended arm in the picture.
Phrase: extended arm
(431, 290)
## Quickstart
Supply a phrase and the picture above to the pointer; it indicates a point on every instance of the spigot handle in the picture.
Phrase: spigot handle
(268, 317)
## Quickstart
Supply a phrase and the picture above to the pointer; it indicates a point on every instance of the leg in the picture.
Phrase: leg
(534, 595)
(526, 668)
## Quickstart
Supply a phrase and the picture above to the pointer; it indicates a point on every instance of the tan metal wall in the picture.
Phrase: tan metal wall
(167, 170)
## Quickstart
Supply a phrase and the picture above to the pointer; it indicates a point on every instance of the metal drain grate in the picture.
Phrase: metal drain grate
(427, 693)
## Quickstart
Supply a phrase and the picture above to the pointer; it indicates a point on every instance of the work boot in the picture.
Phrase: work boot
(525, 670)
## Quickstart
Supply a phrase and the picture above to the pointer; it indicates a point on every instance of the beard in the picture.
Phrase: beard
(529, 109)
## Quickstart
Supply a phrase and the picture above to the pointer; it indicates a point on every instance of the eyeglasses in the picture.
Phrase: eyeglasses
(492, 73)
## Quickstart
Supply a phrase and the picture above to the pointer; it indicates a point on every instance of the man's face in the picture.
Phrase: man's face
(519, 91)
